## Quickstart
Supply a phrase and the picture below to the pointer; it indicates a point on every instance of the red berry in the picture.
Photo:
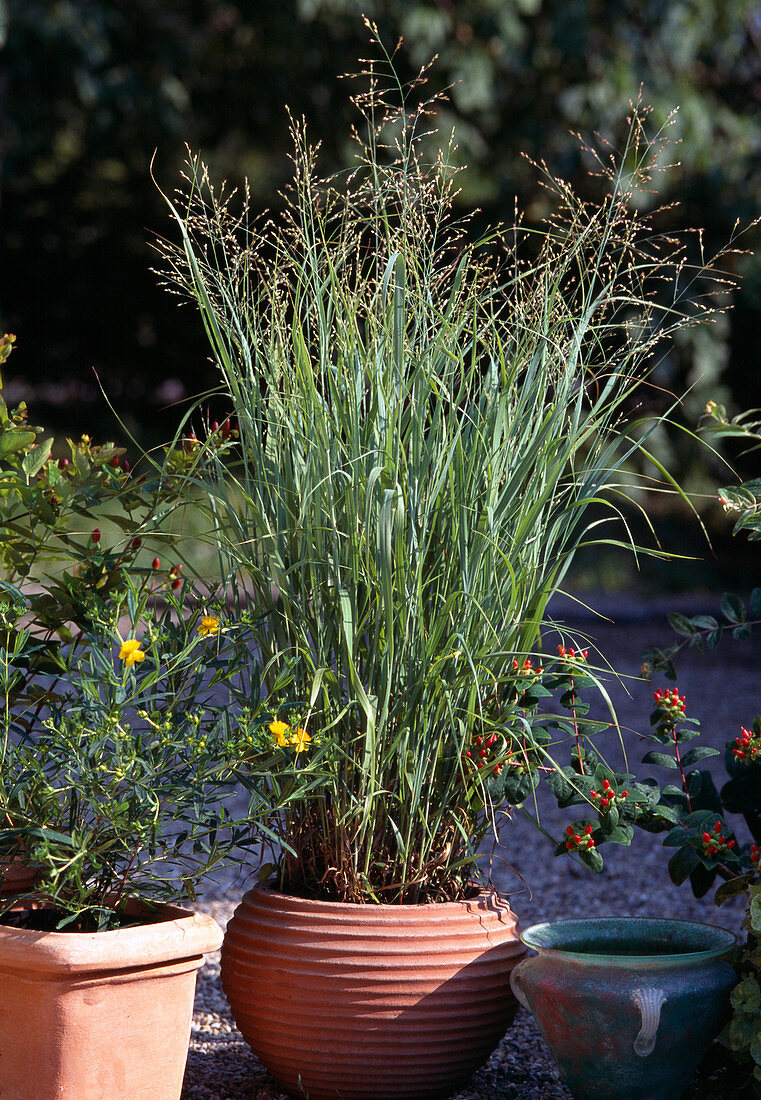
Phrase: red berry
(177, 583)
(95, 536)
(116, 461)
(214, 426)
(63, 463)
(156, 563)
(125, 466)
(137, 543)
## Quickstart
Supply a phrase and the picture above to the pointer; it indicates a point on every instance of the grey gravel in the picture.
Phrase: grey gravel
(721, 689)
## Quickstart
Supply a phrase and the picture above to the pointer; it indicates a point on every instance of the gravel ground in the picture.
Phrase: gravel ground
(721, 689)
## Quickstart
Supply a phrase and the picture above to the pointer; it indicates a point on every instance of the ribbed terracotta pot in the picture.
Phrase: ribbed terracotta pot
(370, 1002)
(103, 1015)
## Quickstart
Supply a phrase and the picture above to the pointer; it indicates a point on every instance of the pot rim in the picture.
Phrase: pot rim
(485, 893)
(178, 934)
(537, 937)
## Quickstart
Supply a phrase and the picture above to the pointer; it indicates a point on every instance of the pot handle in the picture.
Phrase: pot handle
(517, 985)
(649, 1002)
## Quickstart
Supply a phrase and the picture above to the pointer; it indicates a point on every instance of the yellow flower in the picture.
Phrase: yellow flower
(300, 740)
(131, 652)
(278, 730)
(208, 625)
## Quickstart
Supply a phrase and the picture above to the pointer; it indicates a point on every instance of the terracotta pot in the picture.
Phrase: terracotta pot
(17, 876)
(102, 1015)
(370, 1002)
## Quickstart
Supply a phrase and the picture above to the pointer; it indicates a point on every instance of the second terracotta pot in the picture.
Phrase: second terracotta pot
(369, 1002)
(101, 1015)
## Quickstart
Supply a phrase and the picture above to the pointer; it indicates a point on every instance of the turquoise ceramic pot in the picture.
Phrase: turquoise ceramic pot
(627, 1005)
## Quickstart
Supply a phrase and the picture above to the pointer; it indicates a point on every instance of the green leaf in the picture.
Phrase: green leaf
(732, 608)
(680, 624)
(622, 834)
(13, 441)
(35, 459)
(755, 603)
(702, 879)
(592, 859)
(682, 864)
(704, 622)
(518, 786)
(700, 752)
(732, 888)
(660, 758)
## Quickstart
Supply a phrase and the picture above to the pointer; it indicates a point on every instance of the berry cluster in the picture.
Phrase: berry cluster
(526, 668)
(608, 796)
(175, 580)
(579, 842)
(748, 748)
(671, 704)
(755, 856)
(483, 754)
(715, 843)
(572, 655)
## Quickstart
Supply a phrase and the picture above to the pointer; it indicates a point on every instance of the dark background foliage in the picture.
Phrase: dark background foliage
(91, 88)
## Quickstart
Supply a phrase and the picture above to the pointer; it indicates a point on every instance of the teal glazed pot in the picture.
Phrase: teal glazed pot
(627, 1005)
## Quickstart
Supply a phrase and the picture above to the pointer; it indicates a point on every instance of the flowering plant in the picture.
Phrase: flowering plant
(119, 728)
(429, 428)
(112, 782)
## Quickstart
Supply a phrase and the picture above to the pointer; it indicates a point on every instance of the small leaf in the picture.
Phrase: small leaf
(700, 752)
(732, 888)
(742, 633)
(592, 859)
(682, 864)
(702, 879)
(732, 608)
(35, 459)
(13, 441)
(680, 624)
(659, 758)
(755, 603)
(704, 622)
(622, 834)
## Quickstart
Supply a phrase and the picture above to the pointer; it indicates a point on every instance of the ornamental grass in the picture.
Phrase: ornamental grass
(430, 427)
